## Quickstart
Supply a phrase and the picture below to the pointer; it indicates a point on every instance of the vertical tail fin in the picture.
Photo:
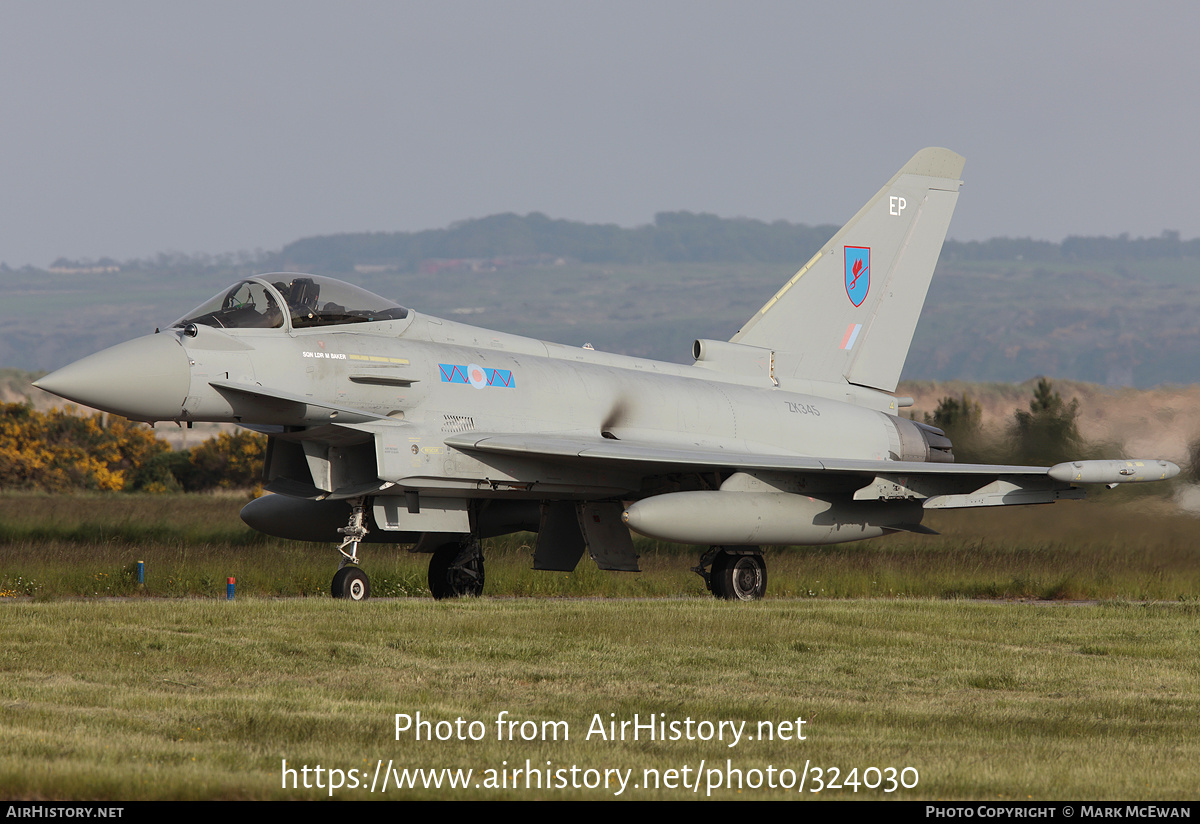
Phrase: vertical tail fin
(850, 312)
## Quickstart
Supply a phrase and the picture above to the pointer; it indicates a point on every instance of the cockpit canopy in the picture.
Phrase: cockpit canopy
(303, 300)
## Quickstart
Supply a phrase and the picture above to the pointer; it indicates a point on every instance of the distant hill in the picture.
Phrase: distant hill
(674, 237)
(1118, 311)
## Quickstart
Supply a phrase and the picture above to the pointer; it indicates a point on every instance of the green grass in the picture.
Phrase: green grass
(884, 648)
(201, 698)
(1113, 548)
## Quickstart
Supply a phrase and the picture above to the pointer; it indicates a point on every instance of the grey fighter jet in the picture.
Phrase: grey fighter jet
(391, 426)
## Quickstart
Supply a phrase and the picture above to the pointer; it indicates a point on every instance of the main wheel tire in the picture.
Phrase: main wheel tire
(352, 583)
(456, 571)
(737, 577)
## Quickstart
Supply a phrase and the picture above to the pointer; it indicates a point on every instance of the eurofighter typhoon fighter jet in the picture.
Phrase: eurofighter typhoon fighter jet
(385, 425)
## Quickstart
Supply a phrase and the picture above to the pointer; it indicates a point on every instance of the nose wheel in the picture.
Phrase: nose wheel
(352, 583)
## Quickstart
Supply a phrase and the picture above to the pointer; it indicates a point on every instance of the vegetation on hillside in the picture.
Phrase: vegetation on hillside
(61, 450)
(1048, 431)
(1045, 434)
(673, 237)
(676, 237)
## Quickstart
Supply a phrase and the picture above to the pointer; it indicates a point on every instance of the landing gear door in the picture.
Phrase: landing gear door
(607, 538)
(560, 543)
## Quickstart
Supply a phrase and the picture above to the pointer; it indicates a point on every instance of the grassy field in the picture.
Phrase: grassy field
(128, 699)
(897, 653)
(1115, 547)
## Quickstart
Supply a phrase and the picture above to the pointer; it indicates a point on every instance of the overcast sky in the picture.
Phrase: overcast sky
(131, 128)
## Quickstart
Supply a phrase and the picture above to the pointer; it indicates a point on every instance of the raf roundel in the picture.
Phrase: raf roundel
(476, 376)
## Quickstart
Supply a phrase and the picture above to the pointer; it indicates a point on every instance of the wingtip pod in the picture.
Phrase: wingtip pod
(1113, 471)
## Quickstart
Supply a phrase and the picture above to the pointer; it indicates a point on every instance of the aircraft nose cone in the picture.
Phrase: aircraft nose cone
(146, 379)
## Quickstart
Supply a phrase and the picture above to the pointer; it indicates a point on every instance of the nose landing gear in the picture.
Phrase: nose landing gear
(350, 581)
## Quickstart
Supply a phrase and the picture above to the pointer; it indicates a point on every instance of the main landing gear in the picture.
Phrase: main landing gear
(456, 570)
(738, 573)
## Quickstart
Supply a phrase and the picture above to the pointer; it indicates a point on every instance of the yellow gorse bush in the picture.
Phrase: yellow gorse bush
(63, 450)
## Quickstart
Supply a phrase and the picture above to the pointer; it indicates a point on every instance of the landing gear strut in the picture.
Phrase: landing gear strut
(456, 570)
(350, 581)
(738, 573)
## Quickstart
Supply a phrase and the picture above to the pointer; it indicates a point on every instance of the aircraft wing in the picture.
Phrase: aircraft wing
(938, 485)
(701, 458)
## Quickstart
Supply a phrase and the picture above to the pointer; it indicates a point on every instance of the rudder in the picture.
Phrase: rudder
(850, 312)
